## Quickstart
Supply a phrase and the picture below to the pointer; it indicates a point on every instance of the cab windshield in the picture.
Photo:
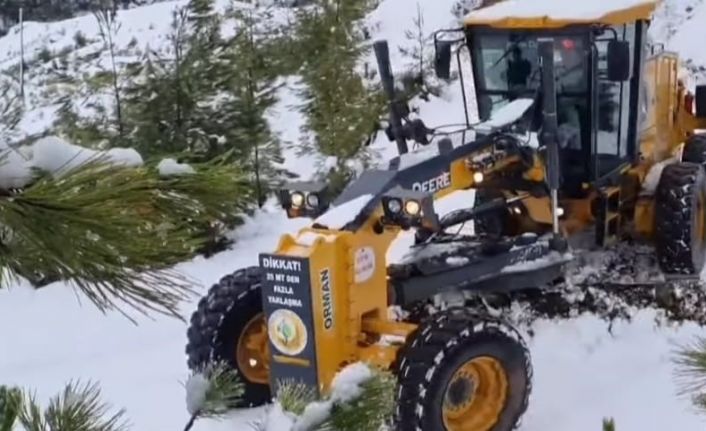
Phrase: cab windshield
(507, 67)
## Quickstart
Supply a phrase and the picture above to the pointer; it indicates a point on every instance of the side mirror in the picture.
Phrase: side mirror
(700, 98)
(618, 61)
(442, 59)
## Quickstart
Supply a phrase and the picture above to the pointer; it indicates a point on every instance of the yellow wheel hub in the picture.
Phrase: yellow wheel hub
(475, 396)
(252, 352)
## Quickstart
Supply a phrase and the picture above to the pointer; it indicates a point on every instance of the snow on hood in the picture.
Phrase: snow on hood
(554, 9)
(339, 216)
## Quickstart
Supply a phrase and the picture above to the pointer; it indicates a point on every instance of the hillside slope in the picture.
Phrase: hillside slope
(583, 373)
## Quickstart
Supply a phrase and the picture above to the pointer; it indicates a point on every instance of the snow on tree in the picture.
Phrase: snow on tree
(108, 224)
(361, 399)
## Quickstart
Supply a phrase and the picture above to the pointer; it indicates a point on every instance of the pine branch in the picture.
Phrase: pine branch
(77, 408)
(361, 404)
(608, 424)
(690, 361)
(211, 392)
(113, 232)
(10, 404)
(295, 397)
(370, 411)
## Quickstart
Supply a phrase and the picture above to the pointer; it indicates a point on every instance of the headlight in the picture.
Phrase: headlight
(394, 206)
(412, 207)
(304, 199)
(409, 208)
(297, 199)
(312, 199)
(478, 177)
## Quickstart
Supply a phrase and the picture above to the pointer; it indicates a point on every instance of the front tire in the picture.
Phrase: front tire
(228, 326)
(463, 372)
(680, 219)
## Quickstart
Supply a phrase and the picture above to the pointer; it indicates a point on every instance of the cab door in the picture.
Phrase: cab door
(611, 108)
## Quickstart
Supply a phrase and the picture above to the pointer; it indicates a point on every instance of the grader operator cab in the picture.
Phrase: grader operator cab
(583, 130)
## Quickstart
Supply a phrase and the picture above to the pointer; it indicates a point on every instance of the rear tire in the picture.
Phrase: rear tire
(680, 219)
(218, 323)
(429, 388)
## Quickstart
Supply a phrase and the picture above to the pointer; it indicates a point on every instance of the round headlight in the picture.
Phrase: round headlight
(394, 206)
(413, 208)
(478, 177)
(312, 200)
(297, 199)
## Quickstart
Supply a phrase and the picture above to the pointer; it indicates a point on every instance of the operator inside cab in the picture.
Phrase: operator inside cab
(519, 70)
(507, 68)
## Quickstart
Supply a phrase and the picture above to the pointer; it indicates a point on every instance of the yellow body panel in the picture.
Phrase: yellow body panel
(505, 19)
(356, 279)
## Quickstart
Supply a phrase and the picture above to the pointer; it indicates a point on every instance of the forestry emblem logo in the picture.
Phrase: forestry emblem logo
(287, 332)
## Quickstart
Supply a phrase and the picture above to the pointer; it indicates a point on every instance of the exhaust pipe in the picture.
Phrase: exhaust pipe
(382, 54)
(548, 136)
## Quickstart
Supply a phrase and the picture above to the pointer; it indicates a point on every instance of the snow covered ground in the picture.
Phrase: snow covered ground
(582, 373)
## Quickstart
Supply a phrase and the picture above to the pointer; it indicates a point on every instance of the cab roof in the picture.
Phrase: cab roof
(560, 13)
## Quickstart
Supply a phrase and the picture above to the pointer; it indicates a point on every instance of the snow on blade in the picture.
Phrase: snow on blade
(506, 115)
(554, 9)
(457, 260)
(338, 217)
(552, 258)
(170, 167)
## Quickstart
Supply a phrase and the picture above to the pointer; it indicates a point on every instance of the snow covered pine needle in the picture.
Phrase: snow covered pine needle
(361, 399)
(212, 392)
(109, 225)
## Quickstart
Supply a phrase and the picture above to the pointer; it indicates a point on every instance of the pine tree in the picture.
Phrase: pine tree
(249, 74)
(10, 109)
(342, 111)
(105, 14)
(159, 101)
(419, 50)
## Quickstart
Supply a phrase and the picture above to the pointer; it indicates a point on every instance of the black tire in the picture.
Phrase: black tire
(438, 348)
(679, 203)
(217, 323)
(695, 150)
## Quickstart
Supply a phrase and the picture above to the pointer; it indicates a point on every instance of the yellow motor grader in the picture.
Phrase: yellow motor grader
(585, 131)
